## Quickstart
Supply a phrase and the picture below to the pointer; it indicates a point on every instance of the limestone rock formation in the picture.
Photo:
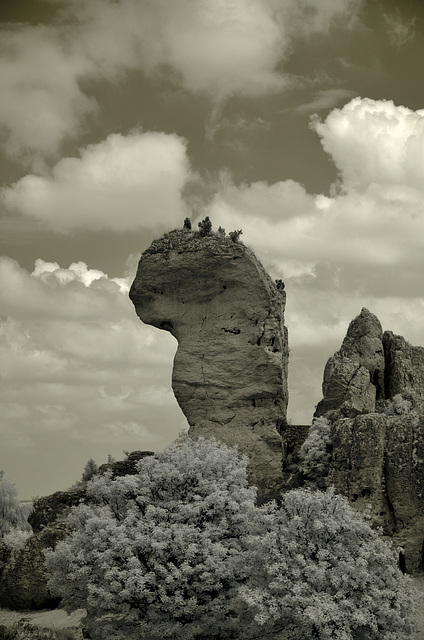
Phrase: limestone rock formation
(230, 368)
(377, 417)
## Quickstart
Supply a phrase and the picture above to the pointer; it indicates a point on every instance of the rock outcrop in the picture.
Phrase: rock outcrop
(373, 397)
(230, 368)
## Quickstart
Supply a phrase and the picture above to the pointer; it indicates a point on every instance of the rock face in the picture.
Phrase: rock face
(230, 368)
(373, 397)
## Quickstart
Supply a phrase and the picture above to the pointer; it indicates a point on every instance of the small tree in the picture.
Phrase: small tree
(187, 224)
(11, 514)
(316, 452)
(90, 470)
(205, 227)
(235, 235)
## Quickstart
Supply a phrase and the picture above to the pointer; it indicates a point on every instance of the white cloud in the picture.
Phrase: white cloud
(375, 141)
(81, 375)
(220, 48)
(123, 183)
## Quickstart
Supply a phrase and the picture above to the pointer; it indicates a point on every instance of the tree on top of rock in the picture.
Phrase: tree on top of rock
(205, 227)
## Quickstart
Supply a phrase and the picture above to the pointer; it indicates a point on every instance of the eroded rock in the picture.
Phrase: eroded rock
(230, 368)
(373, 397)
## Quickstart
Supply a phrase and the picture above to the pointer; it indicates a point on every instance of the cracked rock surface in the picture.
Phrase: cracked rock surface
(230, 368)
(374, 399)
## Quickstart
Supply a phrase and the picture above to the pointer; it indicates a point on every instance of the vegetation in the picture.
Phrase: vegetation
(181, 551)
(90, 470)
(11, 514)
(235, 235)
(205, 227)
(316, 452)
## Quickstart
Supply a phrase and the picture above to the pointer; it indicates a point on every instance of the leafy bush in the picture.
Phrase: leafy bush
(16, 538)
(235, 235)
(316, 452)
(162, 555)
(181, 551)
(11, 514)
(322, 572)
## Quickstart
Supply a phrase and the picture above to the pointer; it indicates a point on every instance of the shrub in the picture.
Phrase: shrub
(235, 235)
(322, 572)
(162, 554)
(181, 551)
(316, 452)
(205, 227)
(11, 514)
(187, 224)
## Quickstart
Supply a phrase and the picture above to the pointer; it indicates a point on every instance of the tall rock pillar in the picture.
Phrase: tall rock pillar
(230, 368)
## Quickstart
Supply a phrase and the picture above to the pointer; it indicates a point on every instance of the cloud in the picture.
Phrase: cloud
(81, 375)
(375, 142)
(399, 31)
(123, 183)
(220, 49)
(324, 100)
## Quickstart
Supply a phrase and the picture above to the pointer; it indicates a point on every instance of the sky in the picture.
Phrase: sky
(300, 122)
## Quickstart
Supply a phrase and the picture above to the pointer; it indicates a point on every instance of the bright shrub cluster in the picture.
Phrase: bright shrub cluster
(181, 551)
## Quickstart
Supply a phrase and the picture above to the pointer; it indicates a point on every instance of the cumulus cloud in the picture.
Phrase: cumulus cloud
(81, 375)
(375, 142)
(123, 183)
(220, 48)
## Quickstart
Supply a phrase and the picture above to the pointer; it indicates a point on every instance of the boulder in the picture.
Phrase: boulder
(48, 509)
(230, 369)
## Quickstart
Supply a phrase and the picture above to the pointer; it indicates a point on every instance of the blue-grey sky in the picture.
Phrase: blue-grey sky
(299, 121)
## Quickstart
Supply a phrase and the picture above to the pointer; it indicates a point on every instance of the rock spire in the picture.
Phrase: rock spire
(230, 368)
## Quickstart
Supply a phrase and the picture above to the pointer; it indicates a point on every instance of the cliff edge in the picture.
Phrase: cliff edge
(230, 369)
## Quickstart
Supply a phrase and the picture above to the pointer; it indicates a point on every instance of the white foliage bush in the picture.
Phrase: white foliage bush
(315, 453)
(11, 514)
(181, 551)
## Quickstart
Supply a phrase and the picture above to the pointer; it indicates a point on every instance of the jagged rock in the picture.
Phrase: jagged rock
(347, 388)
(125, 467)
(354, 376)
(23, 580)
(230, 369)
(378, 447)
(404, 368)
(358, 464)
(47, 510)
